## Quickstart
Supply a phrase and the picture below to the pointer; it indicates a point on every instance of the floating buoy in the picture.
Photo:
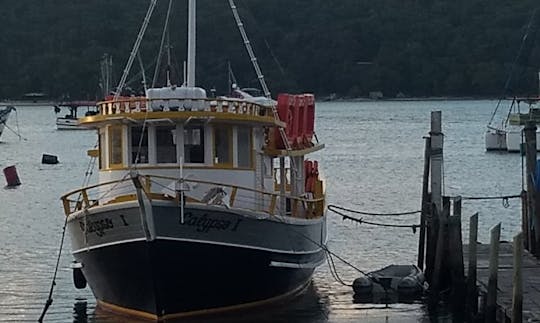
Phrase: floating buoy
(78, 277)
(49, 159)
(12, 178)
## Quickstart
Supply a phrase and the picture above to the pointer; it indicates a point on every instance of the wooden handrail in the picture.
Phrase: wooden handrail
(88, 203)
(226, 105)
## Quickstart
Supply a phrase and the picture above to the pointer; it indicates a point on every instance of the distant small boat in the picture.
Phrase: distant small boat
(508, 137)
(4, 115)
(69, 121)
(495, 139)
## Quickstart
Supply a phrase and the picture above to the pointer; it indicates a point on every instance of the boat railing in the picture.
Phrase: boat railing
(196, 192)
(220, 105)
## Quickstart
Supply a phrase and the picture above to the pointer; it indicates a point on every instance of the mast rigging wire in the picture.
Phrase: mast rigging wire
(249, 49)
(514, 64)
(162, 44)
(135, 49)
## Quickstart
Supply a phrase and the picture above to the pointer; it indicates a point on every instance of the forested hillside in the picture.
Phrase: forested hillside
(413, 48)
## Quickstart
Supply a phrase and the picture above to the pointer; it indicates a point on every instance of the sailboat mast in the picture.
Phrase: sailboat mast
(191, 43)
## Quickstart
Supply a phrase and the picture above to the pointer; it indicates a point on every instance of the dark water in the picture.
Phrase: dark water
(373, 162)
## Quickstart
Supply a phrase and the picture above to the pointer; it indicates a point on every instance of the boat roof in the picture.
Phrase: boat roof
(528, 99)
(140, 109)
(76, 104)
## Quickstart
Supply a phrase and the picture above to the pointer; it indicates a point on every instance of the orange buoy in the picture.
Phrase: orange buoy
(12, 178)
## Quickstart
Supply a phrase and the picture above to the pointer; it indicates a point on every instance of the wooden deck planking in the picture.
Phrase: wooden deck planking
(531, 280)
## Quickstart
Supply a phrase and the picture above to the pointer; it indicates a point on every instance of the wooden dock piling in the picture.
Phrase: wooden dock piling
(455, 257)
(530, 275)
(472, 289)
(426, 202)
(437, 236)
(436, 160)
(431, 242)
(532, 203)
(503, 276)
(491, 301)
(525, 220)
(517, 280)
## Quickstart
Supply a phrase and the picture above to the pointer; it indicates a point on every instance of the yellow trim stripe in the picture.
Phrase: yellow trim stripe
(293, 152)
(140, 314)
(126, 311)
(179, 115)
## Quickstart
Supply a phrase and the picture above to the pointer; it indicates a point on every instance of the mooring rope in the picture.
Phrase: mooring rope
(50, 299)
(333, 270)
(86, 180)
(15, 132)
(361, 220)
(505, 198)
(502, 197)
(333, 206)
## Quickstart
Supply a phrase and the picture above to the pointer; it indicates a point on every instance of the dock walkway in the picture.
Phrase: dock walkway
(531, 281)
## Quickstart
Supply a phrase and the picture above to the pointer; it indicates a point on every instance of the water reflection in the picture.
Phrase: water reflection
(311, 306)
(390, 297)
(79, 311)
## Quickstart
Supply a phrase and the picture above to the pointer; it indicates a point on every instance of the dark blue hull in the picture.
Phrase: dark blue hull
(166, 278)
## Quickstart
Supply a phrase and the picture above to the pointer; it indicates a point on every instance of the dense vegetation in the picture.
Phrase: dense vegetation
(347, 47)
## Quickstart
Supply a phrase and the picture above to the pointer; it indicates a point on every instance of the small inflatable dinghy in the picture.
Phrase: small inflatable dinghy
(406, 280)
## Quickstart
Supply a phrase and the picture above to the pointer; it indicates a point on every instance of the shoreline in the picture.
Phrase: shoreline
(51, 103)
(23, 103)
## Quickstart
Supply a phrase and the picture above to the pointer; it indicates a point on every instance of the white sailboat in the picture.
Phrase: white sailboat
(508, 135)
(525, 109)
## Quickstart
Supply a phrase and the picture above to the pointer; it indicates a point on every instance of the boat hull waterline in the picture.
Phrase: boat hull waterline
(68, 124)
(496, 140)
(217, 259)
(514, 138)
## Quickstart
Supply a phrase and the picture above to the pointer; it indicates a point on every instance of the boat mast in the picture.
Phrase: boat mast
(247, 44)
(191, 43)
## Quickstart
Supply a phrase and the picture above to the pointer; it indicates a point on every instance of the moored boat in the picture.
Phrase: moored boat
(508, 135)
(517, 119)
(4, 115)
(70, 120)
(495, 139)
(202, 204)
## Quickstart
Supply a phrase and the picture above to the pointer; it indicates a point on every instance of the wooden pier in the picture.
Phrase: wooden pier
(503, 277)
(530, 272)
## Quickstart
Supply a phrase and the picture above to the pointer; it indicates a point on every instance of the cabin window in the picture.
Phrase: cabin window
(165, 144)
(115, 146)
(139, 145)
(243, 144)
(194, 144)
(223, 145)
(102, 149)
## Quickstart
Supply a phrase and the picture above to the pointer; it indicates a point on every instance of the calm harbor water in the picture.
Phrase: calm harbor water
(373, 162)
